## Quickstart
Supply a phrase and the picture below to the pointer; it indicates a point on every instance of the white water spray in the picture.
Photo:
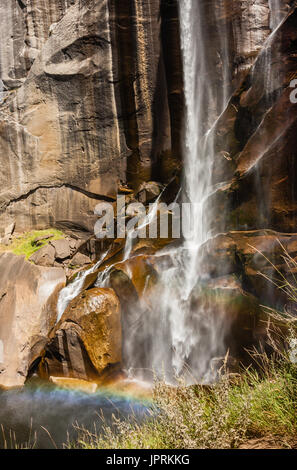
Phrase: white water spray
(74, 288)
(147, 219)
(168, 338)
(176, 332)
(277, 13)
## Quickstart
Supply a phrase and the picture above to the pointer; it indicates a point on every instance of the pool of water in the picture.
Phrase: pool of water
(47, 416)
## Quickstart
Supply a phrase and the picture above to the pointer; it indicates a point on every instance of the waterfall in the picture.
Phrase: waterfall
(165, 336)
(175, 331)
(132, 233)
(179, 332)
(198, 146)
(276, 13)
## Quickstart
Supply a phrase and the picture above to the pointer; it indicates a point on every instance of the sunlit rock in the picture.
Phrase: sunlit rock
(28, 298)
(87, 342)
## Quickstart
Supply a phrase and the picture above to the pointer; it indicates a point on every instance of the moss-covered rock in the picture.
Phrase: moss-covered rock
(30, 242)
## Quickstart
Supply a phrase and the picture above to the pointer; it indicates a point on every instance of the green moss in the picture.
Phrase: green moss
(24, 244)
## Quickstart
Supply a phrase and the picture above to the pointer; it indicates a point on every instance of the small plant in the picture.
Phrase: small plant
(9, 440)
(24, 244)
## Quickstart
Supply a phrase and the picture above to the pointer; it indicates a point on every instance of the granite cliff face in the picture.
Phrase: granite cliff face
(255, 141)
(92, 98)
(255, 145)
(90, 102)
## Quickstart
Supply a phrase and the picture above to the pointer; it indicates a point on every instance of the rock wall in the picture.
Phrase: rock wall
(255, 142)
(255, 167)
(92, 99)
(239, 27)
(28, 298)
(90, 102)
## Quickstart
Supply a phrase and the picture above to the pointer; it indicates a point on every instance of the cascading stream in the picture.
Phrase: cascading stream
(171, 337)
(74, 288)
(175, 332)
(176, 342)
(162, 335)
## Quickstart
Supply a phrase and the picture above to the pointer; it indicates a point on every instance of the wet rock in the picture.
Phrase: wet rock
(256, 258)
(74, 384)
(258, 131)
(133, 279)
(124, 288)
(38, 343)
(234, 313)
(87, 342)
(28, 296)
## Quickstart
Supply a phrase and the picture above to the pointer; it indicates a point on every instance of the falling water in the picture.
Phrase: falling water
(165, 335)
(273, 80)
(174, 332)
(277, 13)
(133, 232)
(198, 148)
(73, 289)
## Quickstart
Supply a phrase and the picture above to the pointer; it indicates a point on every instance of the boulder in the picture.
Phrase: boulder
(5, 240)
(133, 280)
(28, 297)
(74, 244)
(7, 234)
(87, 342)
(45, 256)
(62, 249)
(149, 192)
(80, 260)
(9, 230)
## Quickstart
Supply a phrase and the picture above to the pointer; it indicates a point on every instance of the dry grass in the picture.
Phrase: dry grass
(259, 405)
(254, 404)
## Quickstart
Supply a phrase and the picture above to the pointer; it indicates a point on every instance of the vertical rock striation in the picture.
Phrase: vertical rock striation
(91, 103)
